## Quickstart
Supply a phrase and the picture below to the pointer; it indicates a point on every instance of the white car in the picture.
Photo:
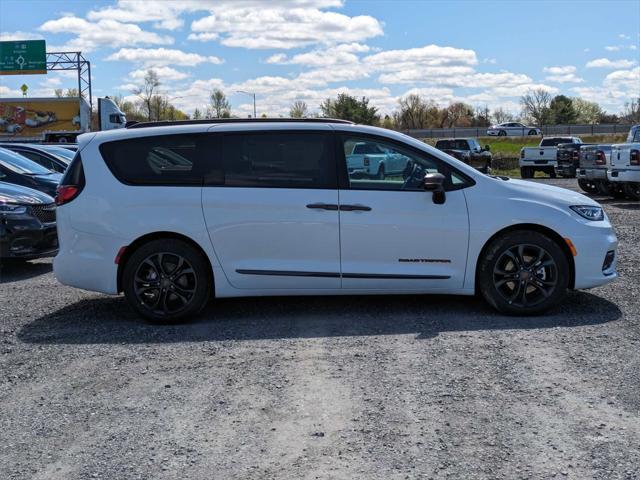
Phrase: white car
(268, 208)
(513, 129)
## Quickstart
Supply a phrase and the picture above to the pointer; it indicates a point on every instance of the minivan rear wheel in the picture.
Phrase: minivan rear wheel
(523, 273)
(167, 281)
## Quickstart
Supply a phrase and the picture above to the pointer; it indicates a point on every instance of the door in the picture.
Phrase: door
(270, 204)
(392, 234)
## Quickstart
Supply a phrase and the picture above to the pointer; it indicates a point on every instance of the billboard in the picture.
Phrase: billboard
(23, 57)
(32, 117)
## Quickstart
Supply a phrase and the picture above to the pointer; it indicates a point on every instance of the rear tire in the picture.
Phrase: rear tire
(632, 190)
(603, 187)
(587, 186)
(380, 174)
(532, 132)
(526, 172)
(167, 281)
(552, 174)
(523, 273)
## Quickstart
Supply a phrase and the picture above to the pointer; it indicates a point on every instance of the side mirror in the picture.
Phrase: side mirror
(487, 148)
(434, 182)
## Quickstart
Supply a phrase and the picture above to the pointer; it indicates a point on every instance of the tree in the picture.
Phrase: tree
(71, 92)
(586, 112)
(388, 122)
(631, 112)
(58, 92)
(500, 115)
(219, 106)
(562, 111)
(197, 114)
(535, 106)
(147, 92)
(482, 117)
(347, 107)
(298, 109)
(414, 112)
(457, 114)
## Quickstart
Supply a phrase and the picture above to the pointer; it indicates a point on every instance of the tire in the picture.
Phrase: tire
(587, 186)
(602, 187)
(544, 273)
(618, 191)
(632, 190)
(552, 174)
(156, 292)
(380, 174)
(502, 133)
(533, 132)
(526, 172)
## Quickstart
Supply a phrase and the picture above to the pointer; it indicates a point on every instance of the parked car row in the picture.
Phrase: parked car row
(29, 177)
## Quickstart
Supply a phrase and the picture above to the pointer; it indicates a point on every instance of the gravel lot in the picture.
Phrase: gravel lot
(344, 387)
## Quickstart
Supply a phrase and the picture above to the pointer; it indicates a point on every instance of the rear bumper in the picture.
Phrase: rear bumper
(623, 175)
(592, 173)
(524, 162)
(87, 261)
(566, 169)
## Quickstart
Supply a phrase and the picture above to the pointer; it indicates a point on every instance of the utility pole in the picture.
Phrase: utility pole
(254, 100)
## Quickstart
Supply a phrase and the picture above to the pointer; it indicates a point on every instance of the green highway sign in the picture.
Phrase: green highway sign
(23, 57)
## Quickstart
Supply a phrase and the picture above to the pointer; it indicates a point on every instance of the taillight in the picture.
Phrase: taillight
(522, 154)
(366, 161)
(600, 158)
(575, 156)
(66, 193)
(634, 157)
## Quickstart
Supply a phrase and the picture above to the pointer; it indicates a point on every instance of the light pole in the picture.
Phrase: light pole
(254, 100)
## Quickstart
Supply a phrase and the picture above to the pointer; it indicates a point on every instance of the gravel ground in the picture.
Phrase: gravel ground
(340, 387)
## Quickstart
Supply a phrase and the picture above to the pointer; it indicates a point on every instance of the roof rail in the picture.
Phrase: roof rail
(168, 123)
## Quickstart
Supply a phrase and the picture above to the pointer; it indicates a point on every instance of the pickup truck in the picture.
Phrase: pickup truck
(625, 164)
(469, 151)
(595, 161)
(371, 160)
(569, 159)
(543, 158)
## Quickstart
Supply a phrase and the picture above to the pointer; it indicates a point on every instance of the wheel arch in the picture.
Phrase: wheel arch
(148, 237)
(555, 236)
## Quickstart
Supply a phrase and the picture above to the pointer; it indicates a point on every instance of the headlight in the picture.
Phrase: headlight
(8, 209)
(589, 212)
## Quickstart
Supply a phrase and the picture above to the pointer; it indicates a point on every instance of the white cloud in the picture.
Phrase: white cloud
(165, 74)
(104, 33)
(281, 25)
(624, 37)
(19, 35)
(613, 48)
(564, 74)
(161, 56)
(430, 55)
(606, 63)
(628, 80)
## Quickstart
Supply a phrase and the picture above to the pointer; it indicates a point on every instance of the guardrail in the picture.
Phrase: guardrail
(597, 129)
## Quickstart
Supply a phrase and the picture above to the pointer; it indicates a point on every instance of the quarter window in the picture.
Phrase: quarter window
(157, 160)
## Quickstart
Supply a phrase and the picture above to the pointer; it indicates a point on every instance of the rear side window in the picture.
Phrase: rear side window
(74, 175)
(274, 160)
(157, 160)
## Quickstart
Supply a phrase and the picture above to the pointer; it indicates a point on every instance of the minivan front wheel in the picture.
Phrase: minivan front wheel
(167, 280)
(523, 273)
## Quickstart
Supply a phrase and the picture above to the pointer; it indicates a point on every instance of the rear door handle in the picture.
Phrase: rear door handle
(354, 208)
(323, 206)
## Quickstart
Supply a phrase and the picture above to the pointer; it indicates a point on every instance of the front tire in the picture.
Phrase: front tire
(167, 281)
(502, 133)
(523, 273)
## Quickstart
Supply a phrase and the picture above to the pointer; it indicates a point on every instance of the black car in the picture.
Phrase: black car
(568, 157)
(46, 156)
(14, 168)
(469, 151)
(27, 223)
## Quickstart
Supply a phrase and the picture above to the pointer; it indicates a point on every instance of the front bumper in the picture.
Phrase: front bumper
(592, 173)
(592, 249)
(624, 175)
(26, 238)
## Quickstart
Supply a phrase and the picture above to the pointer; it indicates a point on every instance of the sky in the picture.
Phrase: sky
(486, 53)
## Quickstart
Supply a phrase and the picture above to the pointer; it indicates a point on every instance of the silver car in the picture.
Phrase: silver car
(513, 129)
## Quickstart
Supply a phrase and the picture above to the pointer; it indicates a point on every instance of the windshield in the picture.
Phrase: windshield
(452, 145)
(19, 164)
(62, 153)
(554, 142)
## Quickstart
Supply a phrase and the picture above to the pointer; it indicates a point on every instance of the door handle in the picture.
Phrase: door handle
(323, 206)
(354, 208)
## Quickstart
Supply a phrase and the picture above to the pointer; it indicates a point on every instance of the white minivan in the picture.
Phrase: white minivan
(175, 213)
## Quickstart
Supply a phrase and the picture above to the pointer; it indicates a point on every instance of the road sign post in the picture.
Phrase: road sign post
(23, 57)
